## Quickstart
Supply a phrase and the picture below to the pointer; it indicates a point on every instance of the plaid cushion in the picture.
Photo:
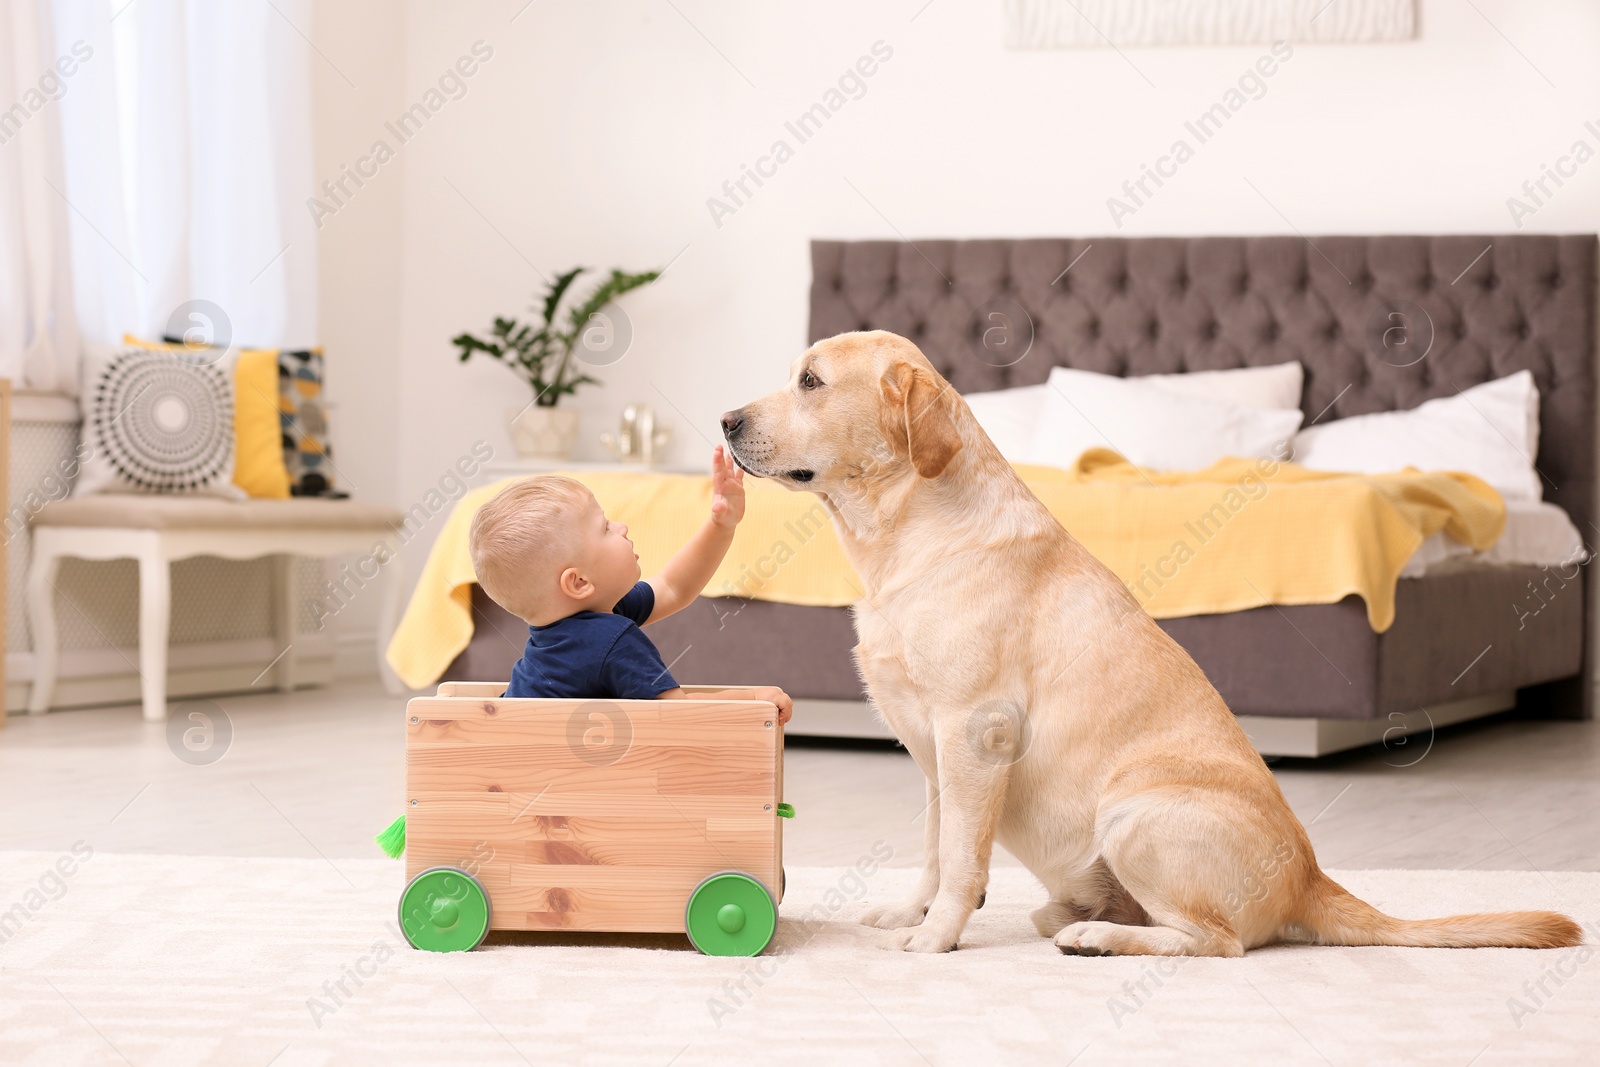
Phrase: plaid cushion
(306, 452)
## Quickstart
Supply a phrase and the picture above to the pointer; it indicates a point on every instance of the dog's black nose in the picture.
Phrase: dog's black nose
(732, 423)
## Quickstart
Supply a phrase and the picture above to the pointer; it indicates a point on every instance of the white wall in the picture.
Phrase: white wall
(597, 132)
(360, 247)
(357, 78)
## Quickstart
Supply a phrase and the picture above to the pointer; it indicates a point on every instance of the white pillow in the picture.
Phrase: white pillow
(1276, 387)
(1009, 416)
(1491, 430)
(1150, 425)
(157, 420)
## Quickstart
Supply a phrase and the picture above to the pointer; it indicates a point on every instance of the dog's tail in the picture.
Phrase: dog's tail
(1335, 917)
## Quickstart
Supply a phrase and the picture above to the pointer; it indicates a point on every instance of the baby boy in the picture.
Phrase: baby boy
(544, 550)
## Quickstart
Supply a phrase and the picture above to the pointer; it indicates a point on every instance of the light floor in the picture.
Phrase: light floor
(191, 961)
(319, 772)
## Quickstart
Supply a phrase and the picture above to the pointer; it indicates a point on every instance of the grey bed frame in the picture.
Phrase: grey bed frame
(1379, 324)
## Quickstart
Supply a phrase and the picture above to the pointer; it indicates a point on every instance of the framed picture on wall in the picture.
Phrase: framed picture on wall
(1149, 23)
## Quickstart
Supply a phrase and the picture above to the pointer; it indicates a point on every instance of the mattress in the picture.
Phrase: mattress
(1321, 660)
(1537, 533)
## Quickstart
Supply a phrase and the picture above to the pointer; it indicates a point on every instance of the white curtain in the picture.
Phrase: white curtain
(185, 159)
(38, 335)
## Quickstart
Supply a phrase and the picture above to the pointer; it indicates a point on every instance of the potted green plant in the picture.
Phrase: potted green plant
(552, 357)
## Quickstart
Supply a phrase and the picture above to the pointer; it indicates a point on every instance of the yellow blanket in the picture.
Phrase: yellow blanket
(1239, 534)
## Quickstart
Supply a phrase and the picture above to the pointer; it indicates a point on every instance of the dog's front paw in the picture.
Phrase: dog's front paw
(1087, 939)
(894, 916)
(920, 939)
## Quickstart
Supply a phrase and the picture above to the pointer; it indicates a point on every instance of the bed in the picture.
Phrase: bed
(1468, 640)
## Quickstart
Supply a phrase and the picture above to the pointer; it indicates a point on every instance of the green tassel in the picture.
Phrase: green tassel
(393, 840)
(785, 811)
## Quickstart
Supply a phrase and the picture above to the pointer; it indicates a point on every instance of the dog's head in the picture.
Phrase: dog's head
(858, 406)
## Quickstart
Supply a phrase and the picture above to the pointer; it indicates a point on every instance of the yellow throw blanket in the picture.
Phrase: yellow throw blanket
(1239, 534)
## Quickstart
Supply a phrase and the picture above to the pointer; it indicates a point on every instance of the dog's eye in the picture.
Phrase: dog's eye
(809, 380)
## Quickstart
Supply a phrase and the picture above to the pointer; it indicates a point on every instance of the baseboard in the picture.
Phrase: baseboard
(836, 718)
(182, 683)
(96, 676)
(354, 658)
(1271, 735)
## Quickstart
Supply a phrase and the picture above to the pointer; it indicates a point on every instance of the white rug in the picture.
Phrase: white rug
(175, 960)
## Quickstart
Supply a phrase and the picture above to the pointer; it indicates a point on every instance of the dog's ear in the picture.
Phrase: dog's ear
(918, 409)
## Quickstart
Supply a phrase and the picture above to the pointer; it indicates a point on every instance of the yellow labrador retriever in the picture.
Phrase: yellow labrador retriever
(1045, 707)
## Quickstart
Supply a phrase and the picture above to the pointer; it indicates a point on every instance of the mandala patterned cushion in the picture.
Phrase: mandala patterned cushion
(157, 420)
(258, 466)
(305, 423)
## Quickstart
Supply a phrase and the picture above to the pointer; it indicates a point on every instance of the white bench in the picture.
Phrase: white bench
(157, 530)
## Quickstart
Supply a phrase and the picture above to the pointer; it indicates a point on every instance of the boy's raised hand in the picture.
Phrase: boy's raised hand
(727, 490)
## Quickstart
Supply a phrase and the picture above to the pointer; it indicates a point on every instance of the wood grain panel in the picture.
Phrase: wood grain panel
(617, 842)
(535, 712)
(471, 689)
(723, 770)
(494, 689)
(423, 780)
(526, 896)
(595, 733)
(448, 805)
(561, 838)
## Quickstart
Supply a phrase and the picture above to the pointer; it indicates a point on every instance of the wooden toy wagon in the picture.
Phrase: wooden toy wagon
(654, 816)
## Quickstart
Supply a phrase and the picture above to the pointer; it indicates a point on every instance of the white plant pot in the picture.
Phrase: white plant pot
(538, 431)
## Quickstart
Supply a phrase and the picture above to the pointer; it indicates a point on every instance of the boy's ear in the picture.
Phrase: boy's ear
(574, 584)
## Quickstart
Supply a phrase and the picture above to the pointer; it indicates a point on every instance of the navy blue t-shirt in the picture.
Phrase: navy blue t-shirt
(594, 655)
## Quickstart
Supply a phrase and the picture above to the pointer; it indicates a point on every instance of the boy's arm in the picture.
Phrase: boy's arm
(770, 693)
(686, 573)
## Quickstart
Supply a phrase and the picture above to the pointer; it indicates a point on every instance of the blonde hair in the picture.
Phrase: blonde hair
(522, 537)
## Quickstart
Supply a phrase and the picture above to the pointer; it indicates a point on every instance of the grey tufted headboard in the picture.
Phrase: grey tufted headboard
(1379, 323)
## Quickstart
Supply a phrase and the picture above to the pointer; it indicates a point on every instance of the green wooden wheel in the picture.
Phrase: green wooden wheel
(730, 914)
(444, 909)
